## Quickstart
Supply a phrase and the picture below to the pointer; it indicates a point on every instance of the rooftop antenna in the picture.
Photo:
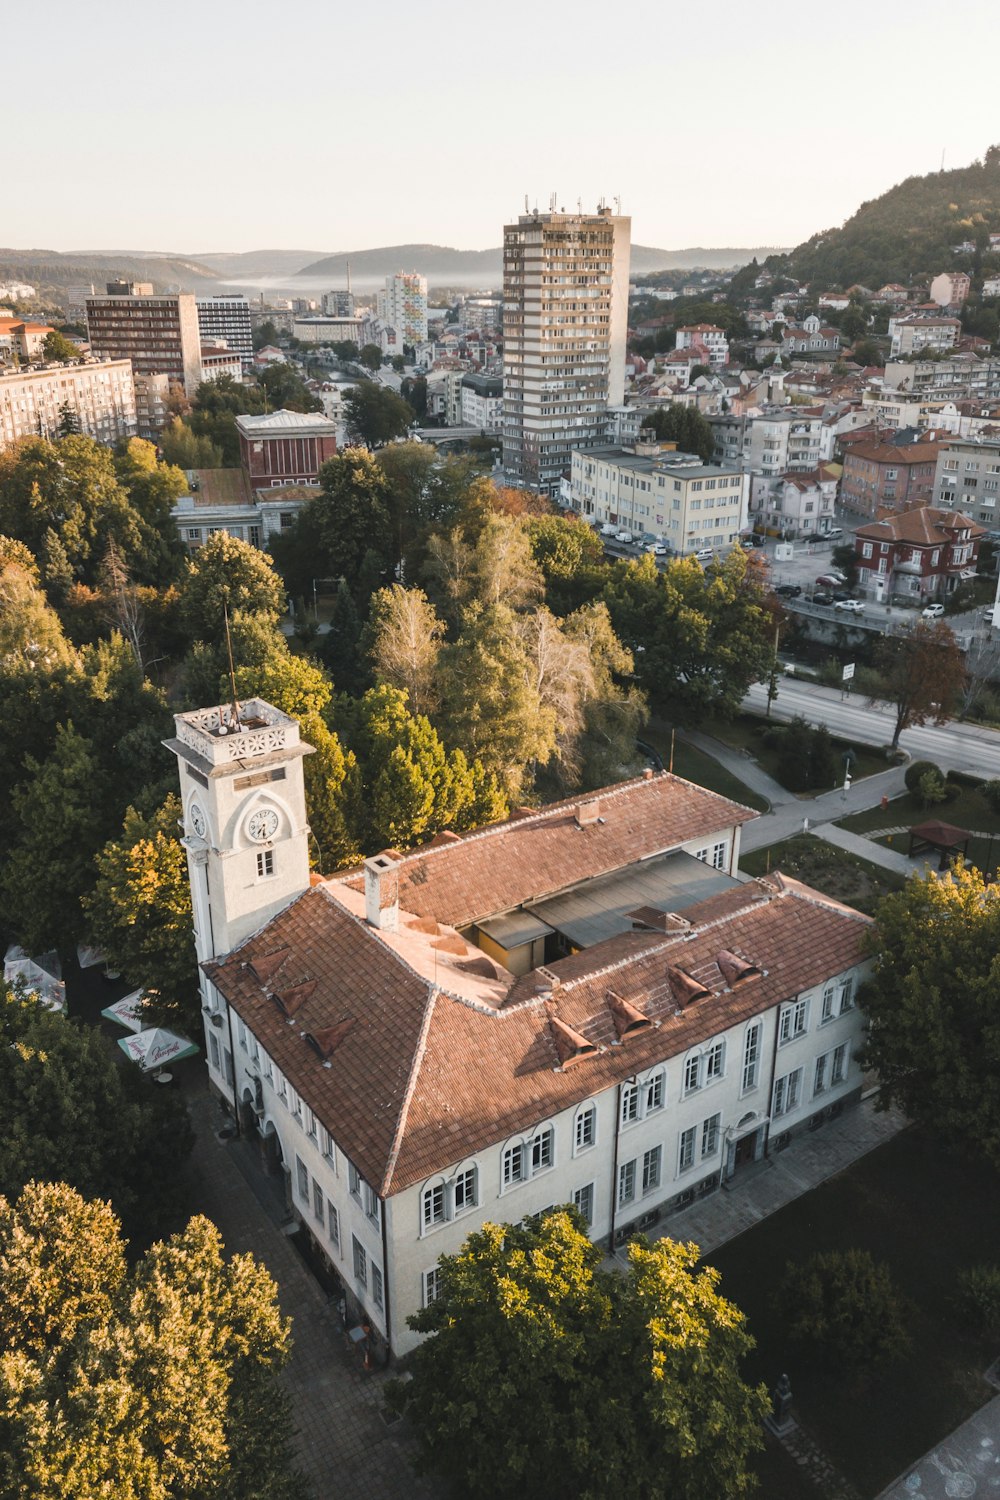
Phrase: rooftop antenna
(234, 723)
(526, 208)
(552, 203)
(942, 158)
(348, 275)
(618, 205)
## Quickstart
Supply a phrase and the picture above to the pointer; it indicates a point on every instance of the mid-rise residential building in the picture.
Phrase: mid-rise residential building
(482, 402)
(285, 447)
(582, 1004)
(888, 476)
(218, 362)
(338, 304)
(911, 335)
(225, 321)
(653, 489)
(708, 343)
(482, 314)
(792, 438)
(324, 330)
(917, 556)
(402, 304)
(444, 396)
(954, 378)
(160, 335)
(75, 302)
(22, 340)
(951, 288)
(565, 326)
(98, 394)
(967, 479)
(795, 504)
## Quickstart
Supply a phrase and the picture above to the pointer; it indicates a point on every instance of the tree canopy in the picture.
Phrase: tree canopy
(375, 415)
(922, 674)
(545, 1376)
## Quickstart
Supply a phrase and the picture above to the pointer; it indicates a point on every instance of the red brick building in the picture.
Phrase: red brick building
(882, 476)
(285, 447)
(917, 556)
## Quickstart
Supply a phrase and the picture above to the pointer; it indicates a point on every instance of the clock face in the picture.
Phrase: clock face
(198, 822)
(262, 824)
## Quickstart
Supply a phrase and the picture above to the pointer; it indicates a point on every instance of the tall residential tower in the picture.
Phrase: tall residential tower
(565, 321)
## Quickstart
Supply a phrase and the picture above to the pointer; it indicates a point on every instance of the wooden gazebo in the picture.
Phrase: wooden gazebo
(944, 837)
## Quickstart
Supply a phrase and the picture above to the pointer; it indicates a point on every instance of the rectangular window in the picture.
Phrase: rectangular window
(819, 1078)
(434, 1205)
(465, 1190)
(241, 1034)
(583, 1202)
(265, 863)
(372, 1206)
(541, 1151)
(847, 996)
(719, 856)
(651, 1161)
(626, 1183)
(326, 1145)
(839, 1070)
(354, 1181)
(302, 1179)
(826, 1009)
(295, 1105)
(630, 1103)
(378, 1293)
(786, 1092)
(692, 1073)
(333, 1222)
(360, 1261)
(432, 1286)
(751, 1056)
(317, 1201)
(654, 1093)
(213, 1051)
(793, 1021)
(311, 1127)
(710, 1136)
(586, 1128)
(715, 1059)
(686, 1154)
(513, 1165)
(281, 1086)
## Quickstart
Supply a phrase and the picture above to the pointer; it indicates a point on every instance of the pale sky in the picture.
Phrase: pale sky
(209, 125)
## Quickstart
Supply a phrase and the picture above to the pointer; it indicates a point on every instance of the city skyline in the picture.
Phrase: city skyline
(690, 139)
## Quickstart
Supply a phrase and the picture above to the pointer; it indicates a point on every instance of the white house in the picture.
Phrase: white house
(581, 1004)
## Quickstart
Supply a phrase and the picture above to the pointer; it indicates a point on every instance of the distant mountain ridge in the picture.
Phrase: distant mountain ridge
(438, 262)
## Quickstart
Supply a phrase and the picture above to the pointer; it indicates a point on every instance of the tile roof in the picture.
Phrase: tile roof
(537, 854)
(411, 1077)
(889, 453)
(923, 526)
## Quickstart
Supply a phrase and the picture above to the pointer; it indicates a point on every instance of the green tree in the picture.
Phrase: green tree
(350, 515)
(153, 489)
(370, 355)
(69, 420)
(58, 347)
(74, 1115)
(922, 673)
(376, 415)
(403, 639)
(30, 633)
(50, 845)
(622, 1382)
(571, 557)
(345, 349)
(140, 913)
(141, 1382)
(931, 1007)
(844, 1302)
(183, 447)
(265, 334)
(685, 426)
(228, 573)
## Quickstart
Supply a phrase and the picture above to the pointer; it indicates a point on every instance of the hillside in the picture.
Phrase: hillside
(439, 263)
(907, 233)
(51, 270)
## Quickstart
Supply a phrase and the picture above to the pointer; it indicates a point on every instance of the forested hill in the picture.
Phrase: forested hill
(907, 233)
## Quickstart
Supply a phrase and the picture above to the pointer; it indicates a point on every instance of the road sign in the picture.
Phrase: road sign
(848, 672)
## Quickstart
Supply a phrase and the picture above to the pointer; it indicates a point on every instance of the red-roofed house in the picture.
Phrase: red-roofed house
(917, 556)
(707, 342)
(580, 1004)
(793, 504)
(884, 476)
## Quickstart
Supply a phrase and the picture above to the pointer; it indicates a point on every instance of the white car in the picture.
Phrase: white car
(705, 555)
(992, 614)
(608, 530)
(853, 606)
(933, 611)
(624, 536)
(658, 549)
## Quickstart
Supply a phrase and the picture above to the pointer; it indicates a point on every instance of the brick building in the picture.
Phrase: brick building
(285, 447)
(918, 556)
(886, 476)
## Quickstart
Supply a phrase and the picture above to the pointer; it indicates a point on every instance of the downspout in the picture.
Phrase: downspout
(774, 1069)
(614, 1168)
(232, 1054)
(385, 1280)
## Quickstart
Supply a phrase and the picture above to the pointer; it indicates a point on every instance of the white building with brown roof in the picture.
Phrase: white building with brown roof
(581, 1004)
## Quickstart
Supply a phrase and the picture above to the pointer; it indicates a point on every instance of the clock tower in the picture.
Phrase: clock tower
(245, 828)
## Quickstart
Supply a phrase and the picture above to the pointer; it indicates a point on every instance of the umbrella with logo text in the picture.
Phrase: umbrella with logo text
(128, 1011)
(156, 1047)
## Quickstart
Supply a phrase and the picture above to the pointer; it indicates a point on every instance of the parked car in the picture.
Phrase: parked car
(990, 613)
(608, 530)
(705, 555)
(933, 611)
(625, 537)
(788, 590)
(831, 580)
(835, 531)
(839, 595)
(853, 606)
(822, 598)
(658, 549)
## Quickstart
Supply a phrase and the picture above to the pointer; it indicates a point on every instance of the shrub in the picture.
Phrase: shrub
(917, 770)
(846, 1303)
(990, 791)
(806, 758)
(931, 789)
(977, 1296)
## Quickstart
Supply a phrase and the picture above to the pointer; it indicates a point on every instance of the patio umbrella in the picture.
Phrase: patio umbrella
(156, 1047)
(128, 1011)
(41, 975)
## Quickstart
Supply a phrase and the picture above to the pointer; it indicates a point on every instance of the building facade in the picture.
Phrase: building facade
(160, 335)
(402, 304)
(794, 505)
(911, 335)
(691, 505)
(565, 325)
(918, 556)
(225, 321)
(428, 1042)
(99, 394)
(285, 447)
(887, 476)
(967, 478)
(482, 402)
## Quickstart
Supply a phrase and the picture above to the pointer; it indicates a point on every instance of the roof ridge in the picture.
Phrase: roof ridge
(408, 1092)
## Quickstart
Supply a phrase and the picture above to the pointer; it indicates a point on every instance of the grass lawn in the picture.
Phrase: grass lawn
(969, 810)
(833, 871)
(746, 731)
(926, 1214)
(695, 765)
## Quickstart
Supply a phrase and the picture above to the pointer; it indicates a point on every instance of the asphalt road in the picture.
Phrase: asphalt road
(953, 746)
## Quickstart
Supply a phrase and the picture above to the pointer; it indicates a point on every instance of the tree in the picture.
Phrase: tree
(370, 355)
(931, 1006)
(403, 640)
(228, 573)
(30, 633)
(265, 334)
(186, 449)
(140, 912)
(74, 1115)
(844, 1302)
(142, 1382)
(350, 515)
(867, 352)
(376, 415)
(922, 674)
(57, 346)
(69, 420)
(571, 558)
(685, 426)
(545, 1376)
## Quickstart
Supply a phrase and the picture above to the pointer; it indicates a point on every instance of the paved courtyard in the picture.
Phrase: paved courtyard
(966, 1464)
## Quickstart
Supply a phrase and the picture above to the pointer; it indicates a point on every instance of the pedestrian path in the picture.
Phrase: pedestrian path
(875, 854)
(741, 765)
(965, 1464)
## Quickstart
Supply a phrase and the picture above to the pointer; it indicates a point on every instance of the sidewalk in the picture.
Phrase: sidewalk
(876, 854)
(966, 1463)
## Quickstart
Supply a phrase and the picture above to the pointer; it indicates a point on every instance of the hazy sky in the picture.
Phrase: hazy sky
(214, 125)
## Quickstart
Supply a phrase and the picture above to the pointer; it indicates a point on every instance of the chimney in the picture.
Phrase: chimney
(382, 892)
(588, 813)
